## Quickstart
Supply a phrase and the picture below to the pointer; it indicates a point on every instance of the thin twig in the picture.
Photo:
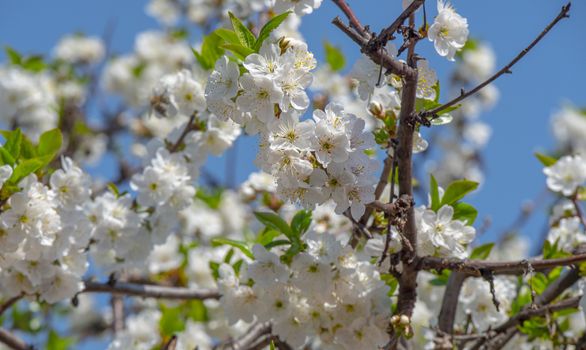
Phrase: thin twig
(579, 212)
(188, 128)
(150, 291)
(354, 22)
(434, 113)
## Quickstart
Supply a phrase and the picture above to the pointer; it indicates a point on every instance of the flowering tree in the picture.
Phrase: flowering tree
(336, 243)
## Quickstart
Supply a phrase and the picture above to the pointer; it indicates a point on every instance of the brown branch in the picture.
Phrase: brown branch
(477, 267)
(378, 56)
(539, 311)
(150, 291)
(388, 33)
(8, 303)
(354, 22)
(553, 291)
(579, 212)
(188, 128)
(505, 70)
(404, 154)
(117, 304)
(12, 341)
(447, 313)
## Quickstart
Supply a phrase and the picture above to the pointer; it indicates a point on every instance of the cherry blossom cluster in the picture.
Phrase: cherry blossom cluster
(311, 160)
(327, 294)
(44, 233)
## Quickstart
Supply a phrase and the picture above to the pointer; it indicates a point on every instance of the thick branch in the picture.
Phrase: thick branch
(477, 267)
(150, 291)
(13, 341)
(447, 313)
(506, 69)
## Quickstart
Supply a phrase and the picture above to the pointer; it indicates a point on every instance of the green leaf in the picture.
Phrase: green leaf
(457, 190)
(465, 212)
(547, 161)
(482, 252)
(211, 50)
(244, 34)
(171, 320)
(6, 157)
(276, 243)
(13, 142)
(266, 30)
(300, 222)
(434, 193)
(242, 246)
(56, 342)
(267, 235)
(334, 57)
(13, 56)
(229, 36)
(196, 310)
(275, 222)
(25, 168)
(34, 64)
(240, 51)
(50, 142)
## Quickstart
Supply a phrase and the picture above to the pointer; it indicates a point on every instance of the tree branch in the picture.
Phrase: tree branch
(388, 33)
(354, 22)
(477, 267)
(13, 341)
(150, 291)
(508, 331)
(8, 304)
(434, 113)
(377, 56)
(447, 313)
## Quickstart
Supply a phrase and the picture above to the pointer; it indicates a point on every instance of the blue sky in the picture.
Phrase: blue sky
(550, 75)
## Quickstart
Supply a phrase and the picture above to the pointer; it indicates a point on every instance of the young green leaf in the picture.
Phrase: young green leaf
(300, 222)
(334, 57)
(465, 212)
(275, 222)
(50, 142)
(25, 168)
(172, 320)
(13, 142)
(229, 36)
(266, 30)
(244, 34)
(234, 243)
(6, 157)
(13, 56)
(240, 51)
(547, 161)
(457, 190)
(482, 252)
(211, 50)
(434, 193)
